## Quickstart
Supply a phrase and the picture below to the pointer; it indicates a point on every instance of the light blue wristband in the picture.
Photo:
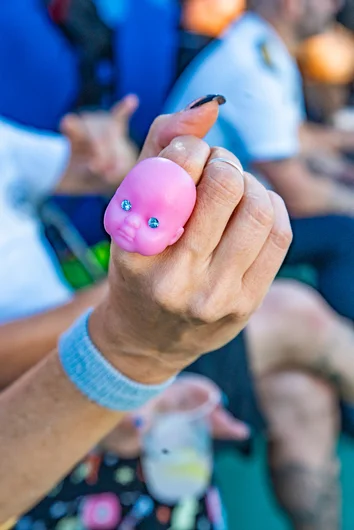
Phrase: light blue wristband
(96, 378)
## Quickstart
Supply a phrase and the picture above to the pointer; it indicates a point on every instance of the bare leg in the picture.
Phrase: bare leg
(296, 329)
(302, 414)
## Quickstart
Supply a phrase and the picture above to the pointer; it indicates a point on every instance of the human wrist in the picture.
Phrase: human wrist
(141, 365)
(97, 377)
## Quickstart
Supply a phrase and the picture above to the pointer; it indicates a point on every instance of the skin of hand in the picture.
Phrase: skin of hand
(126, 439)
(102, 152)
(163, 312)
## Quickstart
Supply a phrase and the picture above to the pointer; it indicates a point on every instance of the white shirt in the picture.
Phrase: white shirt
(252, 68)
(30, 167)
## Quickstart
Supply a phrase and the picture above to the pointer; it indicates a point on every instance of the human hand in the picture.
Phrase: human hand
(101, 151)
(163, 312)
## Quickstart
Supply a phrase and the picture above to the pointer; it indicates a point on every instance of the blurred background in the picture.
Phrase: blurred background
(81, 83)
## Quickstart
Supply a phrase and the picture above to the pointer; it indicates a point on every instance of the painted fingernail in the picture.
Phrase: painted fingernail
(138, 422)
(245, 432)
(225, 400)
(221, 100)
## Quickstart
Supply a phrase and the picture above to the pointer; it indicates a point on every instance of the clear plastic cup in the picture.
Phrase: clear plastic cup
(177, 446)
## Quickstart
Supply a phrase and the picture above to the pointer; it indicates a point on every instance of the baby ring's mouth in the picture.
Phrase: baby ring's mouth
(126, 235)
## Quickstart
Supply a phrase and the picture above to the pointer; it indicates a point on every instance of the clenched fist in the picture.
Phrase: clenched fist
(196, 296)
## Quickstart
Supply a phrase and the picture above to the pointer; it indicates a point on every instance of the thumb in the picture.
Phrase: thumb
(73, 127)
(124, 109)
(196, 120)
(226, 427)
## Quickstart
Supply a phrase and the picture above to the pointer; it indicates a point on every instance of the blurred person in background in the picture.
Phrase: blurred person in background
(326, 62)
(346, 15)
(94, 157)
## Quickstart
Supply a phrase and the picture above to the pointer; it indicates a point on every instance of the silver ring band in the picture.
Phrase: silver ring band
(235, 165)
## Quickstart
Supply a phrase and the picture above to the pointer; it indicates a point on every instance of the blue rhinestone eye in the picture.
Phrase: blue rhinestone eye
(126, 205)
(153, 222)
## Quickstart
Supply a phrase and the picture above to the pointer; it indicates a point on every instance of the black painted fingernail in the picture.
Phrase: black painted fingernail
(225, 400)
(138, 422)
(221, 100)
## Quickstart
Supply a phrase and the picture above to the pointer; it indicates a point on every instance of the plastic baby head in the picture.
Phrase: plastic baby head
(151, 207)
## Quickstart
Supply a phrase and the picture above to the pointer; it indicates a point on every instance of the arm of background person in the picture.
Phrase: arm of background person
(23, 343)
(39, 158)
(94, 157)
(314, 137)
(102, 152)
(306, 193)
(268, 127)
(335, 166)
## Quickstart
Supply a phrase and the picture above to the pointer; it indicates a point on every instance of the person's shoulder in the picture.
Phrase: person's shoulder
(7, 131)
(6, 125)
(14, 129)
(252, 50)
(11, 132)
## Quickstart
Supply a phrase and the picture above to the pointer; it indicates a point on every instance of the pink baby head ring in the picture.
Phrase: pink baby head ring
(151, 206)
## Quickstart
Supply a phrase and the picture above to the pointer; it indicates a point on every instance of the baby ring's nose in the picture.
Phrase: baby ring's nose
(133, 220)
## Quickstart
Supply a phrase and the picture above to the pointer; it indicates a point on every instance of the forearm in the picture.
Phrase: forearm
(327, 139)
(25, 342)
(337, 167)
(47, 426)
(320, 196)
(307, 194)
(340, 199)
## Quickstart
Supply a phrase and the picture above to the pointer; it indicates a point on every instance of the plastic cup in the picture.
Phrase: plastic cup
(177, 446)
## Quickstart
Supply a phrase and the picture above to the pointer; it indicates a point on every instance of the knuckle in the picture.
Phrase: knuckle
(203, 314)
(165, 298)
(282, 238)
(223, 184)
(157, 125)
(214, 304)
(246, 300)
(171, 291)
(159, 121)
(244, 309)
(203, 310)
(259, 209)
(188, 152)
(281, 232)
